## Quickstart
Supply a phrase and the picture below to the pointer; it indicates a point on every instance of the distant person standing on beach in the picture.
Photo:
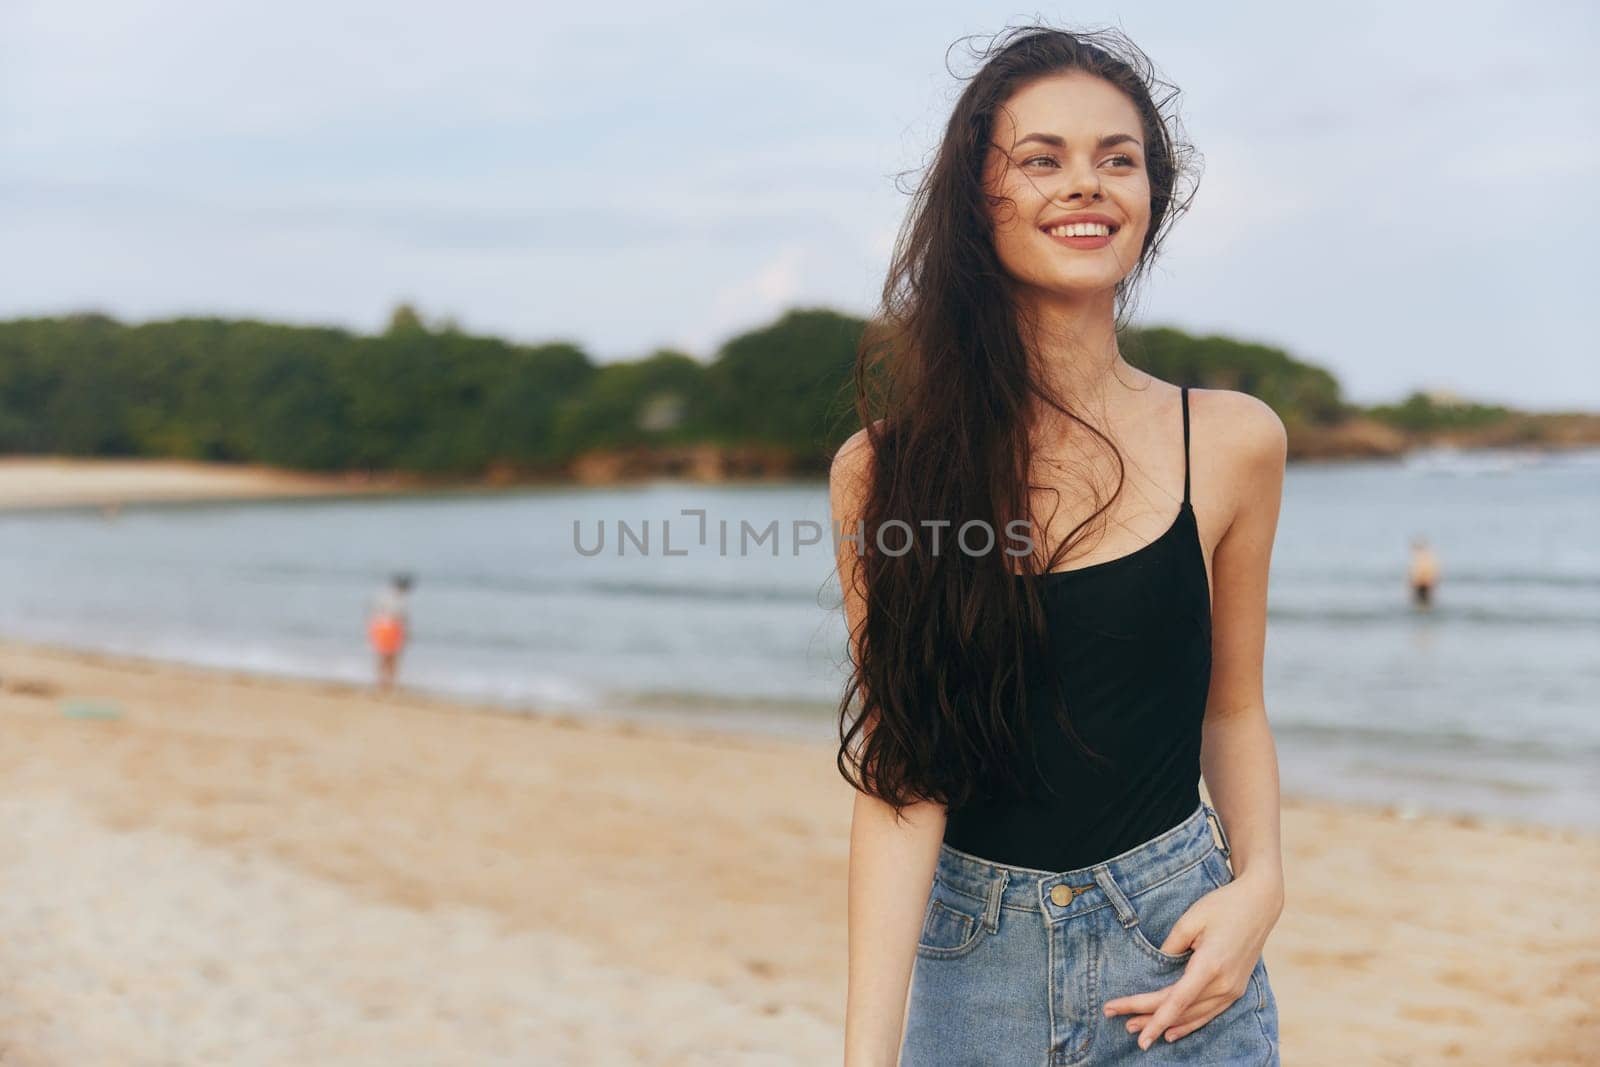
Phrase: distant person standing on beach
(1424, 572)
(386, 627)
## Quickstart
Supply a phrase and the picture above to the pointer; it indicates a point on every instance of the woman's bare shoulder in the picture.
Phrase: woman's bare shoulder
(1241, 425)
(1241, 445)
(852, 465)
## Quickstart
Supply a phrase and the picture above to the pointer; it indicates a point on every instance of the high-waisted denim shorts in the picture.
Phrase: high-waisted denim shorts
(1015, 965)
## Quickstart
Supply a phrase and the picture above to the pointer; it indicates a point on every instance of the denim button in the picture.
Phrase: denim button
(1066, 894)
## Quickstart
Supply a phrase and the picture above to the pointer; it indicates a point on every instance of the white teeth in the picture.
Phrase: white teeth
(1081, 229)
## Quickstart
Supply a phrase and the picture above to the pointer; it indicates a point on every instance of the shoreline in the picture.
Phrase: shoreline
(36, 483)
(725, 726)
(42, 482)
(448, 883)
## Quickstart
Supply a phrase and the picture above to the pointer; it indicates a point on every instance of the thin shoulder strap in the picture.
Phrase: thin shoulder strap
(1185, 399)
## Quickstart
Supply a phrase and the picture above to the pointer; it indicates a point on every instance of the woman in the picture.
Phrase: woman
(1030, 856)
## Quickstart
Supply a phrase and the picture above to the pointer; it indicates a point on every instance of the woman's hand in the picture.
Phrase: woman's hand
(1227, 929)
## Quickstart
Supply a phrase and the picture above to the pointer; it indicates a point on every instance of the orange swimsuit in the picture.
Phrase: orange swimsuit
(387, 633)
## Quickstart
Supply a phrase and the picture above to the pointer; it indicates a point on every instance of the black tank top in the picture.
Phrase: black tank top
(1130, 640)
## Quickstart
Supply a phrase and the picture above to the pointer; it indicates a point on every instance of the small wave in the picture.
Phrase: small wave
(1567, 749)
(1462, 463)
(1394, 578)
(1441, 613)
(700, 591)
(524, 585)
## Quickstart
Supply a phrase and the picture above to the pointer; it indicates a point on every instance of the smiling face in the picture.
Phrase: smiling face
(1067, 149)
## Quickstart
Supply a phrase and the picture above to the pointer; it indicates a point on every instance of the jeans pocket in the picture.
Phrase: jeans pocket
(1266, 1002)
(953, 924)
(1158, 908)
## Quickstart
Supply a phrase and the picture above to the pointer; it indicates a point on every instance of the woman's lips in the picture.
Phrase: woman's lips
(1081, 242)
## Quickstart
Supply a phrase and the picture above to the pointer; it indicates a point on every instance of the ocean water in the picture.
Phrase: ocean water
(1489, 703)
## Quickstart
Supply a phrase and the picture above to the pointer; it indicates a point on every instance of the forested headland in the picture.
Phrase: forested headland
(443, 405)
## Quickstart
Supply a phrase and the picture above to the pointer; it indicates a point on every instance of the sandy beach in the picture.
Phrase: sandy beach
(28, 482)
(204, 867)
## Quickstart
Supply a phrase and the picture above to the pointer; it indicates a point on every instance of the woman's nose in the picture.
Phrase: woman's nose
(1079, 182)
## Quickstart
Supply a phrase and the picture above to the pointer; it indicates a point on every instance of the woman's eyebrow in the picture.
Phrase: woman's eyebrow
(1060, 142)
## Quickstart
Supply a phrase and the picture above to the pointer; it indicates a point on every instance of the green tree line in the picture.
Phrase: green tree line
(437, 401)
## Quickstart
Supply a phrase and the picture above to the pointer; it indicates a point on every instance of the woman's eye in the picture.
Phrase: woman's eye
(1121, 160)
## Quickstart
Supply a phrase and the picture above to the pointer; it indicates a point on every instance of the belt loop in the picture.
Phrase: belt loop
(997, 892)
(1108, 884)
(1212, 814)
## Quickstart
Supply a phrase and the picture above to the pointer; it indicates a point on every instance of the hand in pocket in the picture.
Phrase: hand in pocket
(1226, 929)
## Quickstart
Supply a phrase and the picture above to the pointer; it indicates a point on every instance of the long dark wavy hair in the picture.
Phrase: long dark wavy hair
(938, 675)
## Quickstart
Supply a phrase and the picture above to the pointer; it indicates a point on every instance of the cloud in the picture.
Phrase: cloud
(770, 290)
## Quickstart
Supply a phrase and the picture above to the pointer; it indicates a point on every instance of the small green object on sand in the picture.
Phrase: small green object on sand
(88, 709)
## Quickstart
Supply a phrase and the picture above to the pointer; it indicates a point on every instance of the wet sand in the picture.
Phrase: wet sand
(28, 482)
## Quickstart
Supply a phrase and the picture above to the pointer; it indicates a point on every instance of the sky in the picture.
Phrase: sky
(1402, 193)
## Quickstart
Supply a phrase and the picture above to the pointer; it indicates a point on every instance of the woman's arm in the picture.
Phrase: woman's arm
(1238, 758)
(892, 859)
(891, 872)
